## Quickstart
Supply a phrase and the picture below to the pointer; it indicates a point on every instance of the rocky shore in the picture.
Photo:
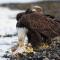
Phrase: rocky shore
(50, 53)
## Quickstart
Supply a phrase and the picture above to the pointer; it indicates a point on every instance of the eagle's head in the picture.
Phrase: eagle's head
(37, 9)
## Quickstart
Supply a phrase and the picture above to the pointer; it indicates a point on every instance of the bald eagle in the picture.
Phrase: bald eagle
(35, 28)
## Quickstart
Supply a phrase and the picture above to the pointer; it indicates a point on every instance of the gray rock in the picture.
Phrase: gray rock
(46, 58)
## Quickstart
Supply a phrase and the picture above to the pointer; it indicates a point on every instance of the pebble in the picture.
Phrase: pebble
(46, 58)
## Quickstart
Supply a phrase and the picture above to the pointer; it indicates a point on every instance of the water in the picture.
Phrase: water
(7, 26)
(18, 1)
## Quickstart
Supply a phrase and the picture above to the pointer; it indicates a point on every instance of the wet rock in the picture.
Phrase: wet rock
(46, 58)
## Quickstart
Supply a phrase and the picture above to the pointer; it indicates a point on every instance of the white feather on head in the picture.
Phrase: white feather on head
(37, 9)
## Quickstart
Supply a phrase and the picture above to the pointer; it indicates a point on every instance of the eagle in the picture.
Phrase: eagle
(34, 27)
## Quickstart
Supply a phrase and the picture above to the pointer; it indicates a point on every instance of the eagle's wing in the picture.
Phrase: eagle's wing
(41, 24)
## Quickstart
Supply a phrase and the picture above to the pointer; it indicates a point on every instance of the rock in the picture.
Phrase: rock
(46, 58)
